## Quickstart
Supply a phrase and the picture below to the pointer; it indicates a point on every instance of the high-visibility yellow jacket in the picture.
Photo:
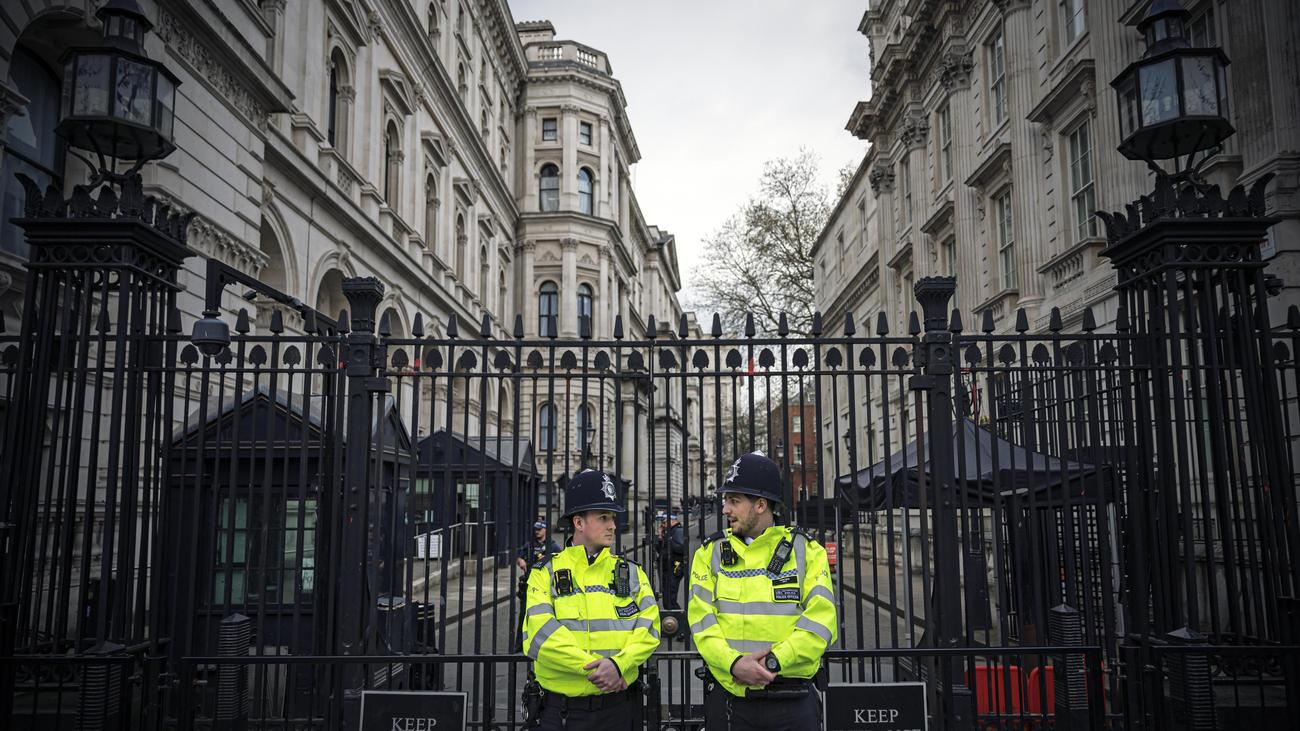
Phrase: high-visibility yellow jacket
(564, 632)
(741, 608)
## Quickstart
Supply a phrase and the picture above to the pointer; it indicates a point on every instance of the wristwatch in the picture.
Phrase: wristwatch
(771, 663)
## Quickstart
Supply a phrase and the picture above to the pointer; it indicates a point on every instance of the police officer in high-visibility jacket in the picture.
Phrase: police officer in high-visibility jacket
(590, 619)
(761, 609)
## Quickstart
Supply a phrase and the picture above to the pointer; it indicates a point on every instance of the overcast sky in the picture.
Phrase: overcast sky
(715, 88)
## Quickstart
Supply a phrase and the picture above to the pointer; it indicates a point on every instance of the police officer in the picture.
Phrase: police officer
(671, 547)
(761, 608)
(590, 620)
(538, 550)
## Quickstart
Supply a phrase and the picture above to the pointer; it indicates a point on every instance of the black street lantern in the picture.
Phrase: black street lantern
(116, 102)
(1174, 101)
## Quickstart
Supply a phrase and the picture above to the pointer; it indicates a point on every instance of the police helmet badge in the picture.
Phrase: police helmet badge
(733, 473)
(607, 488)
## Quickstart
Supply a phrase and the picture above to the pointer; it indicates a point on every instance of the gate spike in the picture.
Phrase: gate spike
(651, 327)
(1022, 320)
(453, 329)
(849, 328)
(715, 329)
(1121, 318)
(913, 324)
(584, 328)
(1293, 317)
(277, 321)
(1089, 320)
(241, 323)
(385, 325)
(485, 330)
(783, 325)
(101, 325)
(417, 327)
(345, 323)
(309, 321)
(2, 322)
(987, 324)
(683, 327)
(749, 325)
(882, 324)
(618, 327)
(519, 327)
(1054, 321)
(816, 329)
(173, 321)
(954, 322)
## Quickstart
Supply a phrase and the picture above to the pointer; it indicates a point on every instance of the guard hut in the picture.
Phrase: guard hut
(248, 480)
(474, 495)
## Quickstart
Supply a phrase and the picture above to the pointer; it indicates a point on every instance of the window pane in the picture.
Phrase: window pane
(549, 129)
(1159, 92)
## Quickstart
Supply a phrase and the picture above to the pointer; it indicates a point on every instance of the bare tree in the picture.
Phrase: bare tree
(760, 260)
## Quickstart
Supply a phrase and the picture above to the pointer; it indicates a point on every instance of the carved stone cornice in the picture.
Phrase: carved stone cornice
(881, 178)
(955, 69)
(178, 36)
(914, 129)
(1006, 7)
(569, 109)
(569, 244)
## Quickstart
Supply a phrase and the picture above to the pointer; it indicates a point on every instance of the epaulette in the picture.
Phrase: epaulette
(796, 530)
(541, 563)
(715, 537)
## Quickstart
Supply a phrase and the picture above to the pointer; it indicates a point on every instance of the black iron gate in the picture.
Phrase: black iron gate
(1075, 528)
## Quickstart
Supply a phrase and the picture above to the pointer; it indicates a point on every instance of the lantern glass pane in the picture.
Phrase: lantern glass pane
(1128, 106)
(1223, 90)
(65, 101)
(1159, 84)
(1199, 95)
(133, 96)
(166, 104)
(113, 27)
(128, 28)
(1175, 28)
(91, 86)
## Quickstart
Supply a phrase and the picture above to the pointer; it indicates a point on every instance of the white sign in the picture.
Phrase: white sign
(428, 545)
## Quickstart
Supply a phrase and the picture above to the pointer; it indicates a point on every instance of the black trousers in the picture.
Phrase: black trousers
(726, 712)
(616, 715)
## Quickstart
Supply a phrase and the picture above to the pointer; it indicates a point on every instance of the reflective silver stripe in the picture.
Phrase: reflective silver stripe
(781, 609)
(749, 645)
(646, 603)
(636, 579)
(800, 548)
(708, 621)
(698, 590)
(600, 625)
(645, 622)
(542, 636)
(807, 624)
(541, 609)
(605, 653)
(715, 560)
(819, 590)
(550, 577)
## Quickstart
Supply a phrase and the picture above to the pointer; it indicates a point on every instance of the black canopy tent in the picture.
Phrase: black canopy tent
(987, 468)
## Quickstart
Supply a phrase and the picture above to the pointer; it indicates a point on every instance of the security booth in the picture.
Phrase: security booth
(249, 483)
(473, 495)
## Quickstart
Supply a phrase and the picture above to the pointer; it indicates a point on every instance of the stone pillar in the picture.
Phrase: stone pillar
(956, 79)
(1026, 146)
(569, 171)
(606, 181)
(624, 209)
(527, 287)
(600, 308)
(529, 197)
(569, 289)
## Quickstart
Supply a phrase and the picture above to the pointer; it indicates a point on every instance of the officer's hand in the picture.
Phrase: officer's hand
(605, 675)
(749, 669)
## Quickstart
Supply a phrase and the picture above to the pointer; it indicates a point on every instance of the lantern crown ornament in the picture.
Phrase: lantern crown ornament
(117, 103)
(1173, 102)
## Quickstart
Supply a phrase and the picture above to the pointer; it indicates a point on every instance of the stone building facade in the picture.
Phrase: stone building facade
(400, 139)
(993, 132)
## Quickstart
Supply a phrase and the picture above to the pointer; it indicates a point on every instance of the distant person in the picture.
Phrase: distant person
(540, 549)
(671, 546)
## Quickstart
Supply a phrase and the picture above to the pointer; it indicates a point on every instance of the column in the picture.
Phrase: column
(1026, 144)
(525, 289)
(956, 79)
(604, 184)
(569, 289)
(600, 308)
(529, 197)
(569, 172)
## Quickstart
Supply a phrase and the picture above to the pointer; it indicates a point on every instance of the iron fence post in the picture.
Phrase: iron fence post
(933, 293)
(356, 614)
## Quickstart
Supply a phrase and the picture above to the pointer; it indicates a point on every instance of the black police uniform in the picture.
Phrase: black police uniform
(538, 551)
(672, 562)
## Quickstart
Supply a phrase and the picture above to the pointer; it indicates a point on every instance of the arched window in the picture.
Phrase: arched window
(586, 430)
(546, 427)
(30, 147)
(462, 243)
(392, 164)
(584, 191)
(433, 20)
(337, 114)
(585, 323)
(548, 310)
(550, 188)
